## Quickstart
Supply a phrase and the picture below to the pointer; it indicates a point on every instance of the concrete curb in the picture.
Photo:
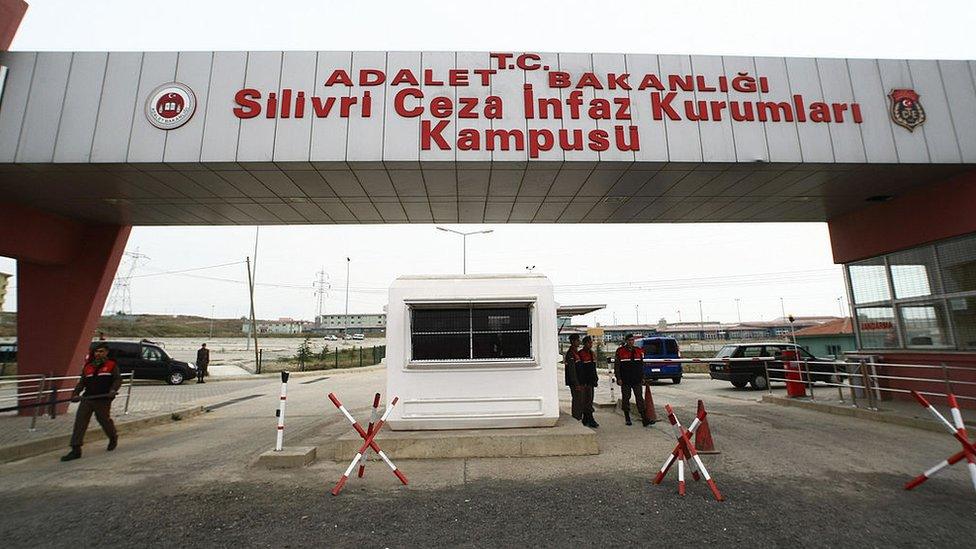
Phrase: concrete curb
(850, 411)
(44, 445)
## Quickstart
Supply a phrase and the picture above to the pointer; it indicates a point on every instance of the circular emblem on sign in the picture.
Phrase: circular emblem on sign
(170, 106)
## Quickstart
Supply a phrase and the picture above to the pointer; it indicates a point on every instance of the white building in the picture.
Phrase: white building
(472, 351)
(278, 327)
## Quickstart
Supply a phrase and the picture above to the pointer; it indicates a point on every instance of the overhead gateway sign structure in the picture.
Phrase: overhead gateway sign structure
(320, 137)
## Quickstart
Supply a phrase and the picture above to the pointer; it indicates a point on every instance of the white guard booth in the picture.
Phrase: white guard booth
(472, 351)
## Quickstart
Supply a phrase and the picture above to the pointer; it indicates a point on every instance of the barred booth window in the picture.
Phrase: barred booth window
(471, 332)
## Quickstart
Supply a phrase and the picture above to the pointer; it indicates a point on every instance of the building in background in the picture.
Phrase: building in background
(282, 326)
(4, 278)
(779, 328)
(353, 323)
(832, 338)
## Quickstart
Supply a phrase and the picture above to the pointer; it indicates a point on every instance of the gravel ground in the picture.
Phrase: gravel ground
(594, 510)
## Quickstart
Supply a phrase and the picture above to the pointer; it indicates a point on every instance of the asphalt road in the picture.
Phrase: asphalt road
(790, 476)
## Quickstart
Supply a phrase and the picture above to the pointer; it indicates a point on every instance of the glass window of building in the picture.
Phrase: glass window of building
(877, 327)
(925, 325)
(869, 281)
(958, 260)
(914, 273)
(962, 314)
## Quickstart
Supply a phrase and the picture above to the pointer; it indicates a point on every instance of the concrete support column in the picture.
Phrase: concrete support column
(64, 273)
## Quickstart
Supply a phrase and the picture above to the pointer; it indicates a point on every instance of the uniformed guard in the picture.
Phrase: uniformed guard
(570, 360)
(628, 368)
(100, 380)
(587, 377)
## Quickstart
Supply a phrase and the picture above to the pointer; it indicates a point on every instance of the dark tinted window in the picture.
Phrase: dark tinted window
(653, 347)
(475, 332)
(726, 352)
(751, 351)
(671, 346)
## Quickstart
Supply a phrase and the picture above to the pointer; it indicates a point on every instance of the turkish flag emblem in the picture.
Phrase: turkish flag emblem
(906, 110)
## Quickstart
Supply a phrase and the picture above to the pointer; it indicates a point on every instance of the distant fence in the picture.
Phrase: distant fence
(345, 358)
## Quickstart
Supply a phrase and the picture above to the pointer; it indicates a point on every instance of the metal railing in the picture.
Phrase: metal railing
(867, 379)
(38, 391)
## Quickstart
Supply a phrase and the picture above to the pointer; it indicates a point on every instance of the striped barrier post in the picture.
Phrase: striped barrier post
(958, 430)
(685, 450)
(369, 438)
(281, 411)
(366, 444)
(369, 429)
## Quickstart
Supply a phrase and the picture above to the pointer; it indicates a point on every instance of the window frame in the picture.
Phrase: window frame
(529, 303)
(942, 298)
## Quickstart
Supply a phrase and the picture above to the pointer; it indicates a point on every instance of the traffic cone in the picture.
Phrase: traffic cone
(703, 437)
(649, 412)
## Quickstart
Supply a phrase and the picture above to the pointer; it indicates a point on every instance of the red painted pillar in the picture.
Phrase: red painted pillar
(11, 14)
(65, 270)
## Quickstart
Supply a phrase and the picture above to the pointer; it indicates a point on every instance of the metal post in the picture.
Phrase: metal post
(866, 379)
(360, 357)
(806, 368)
(279, 439)
(769, 386)
(945, 374)
(345, 319)
(37, 401)
(254, 324)
(464, 254)
(840, 390)
(128, 394)
(52, 410)
(337, 356)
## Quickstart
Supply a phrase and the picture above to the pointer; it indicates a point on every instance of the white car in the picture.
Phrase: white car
(331, 338)
(358, 336)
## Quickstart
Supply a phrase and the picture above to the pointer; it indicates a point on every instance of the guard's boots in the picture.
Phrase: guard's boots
(590, 422)
(113, 443)
(75, 453)
(627, 417)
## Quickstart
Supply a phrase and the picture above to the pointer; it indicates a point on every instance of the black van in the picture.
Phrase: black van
(146, 360)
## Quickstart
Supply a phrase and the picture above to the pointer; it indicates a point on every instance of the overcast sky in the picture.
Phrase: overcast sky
(672, 266)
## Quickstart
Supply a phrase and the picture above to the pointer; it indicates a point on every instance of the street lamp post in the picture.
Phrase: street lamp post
(345, 323)
(464, 244)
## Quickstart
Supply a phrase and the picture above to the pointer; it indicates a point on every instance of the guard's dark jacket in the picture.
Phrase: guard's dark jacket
(629, 365)
(98, 380)
(586, 368)
(570, 360)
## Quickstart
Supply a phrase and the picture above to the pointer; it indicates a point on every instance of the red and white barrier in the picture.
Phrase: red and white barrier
(368, 443)
(369, 429)
(958, 430)
(281, 411)
(684, 451)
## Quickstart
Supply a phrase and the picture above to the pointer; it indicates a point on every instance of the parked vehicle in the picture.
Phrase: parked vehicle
(8, 352)
(147, 360)
(359, 336)
(742, 373)
(656, 348)
(331, 338)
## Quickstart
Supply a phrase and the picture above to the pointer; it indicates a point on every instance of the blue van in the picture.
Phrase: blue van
(661, 347)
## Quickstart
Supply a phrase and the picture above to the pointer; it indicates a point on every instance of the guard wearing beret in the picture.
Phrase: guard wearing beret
(628, 368)
(100, 382)
(587, 378)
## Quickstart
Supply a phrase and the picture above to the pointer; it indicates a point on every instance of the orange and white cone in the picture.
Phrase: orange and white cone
(703, 437)
(649, 413)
